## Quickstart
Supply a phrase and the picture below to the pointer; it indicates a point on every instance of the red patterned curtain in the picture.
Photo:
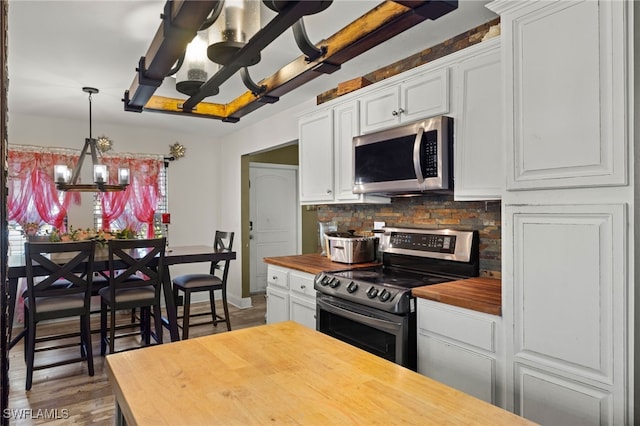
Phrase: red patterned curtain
(33, 196)
(137, 205)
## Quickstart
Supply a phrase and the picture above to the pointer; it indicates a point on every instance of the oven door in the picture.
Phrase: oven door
(387, 335)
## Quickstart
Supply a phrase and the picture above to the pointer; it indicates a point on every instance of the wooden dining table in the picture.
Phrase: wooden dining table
(175, 255)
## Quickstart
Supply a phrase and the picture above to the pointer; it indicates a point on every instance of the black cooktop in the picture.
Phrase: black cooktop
(385, 276)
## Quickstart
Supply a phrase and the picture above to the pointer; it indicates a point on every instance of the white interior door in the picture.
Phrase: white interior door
(273, 212)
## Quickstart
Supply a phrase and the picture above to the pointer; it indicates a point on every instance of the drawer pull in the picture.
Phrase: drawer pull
(302, 287)
(274, 277)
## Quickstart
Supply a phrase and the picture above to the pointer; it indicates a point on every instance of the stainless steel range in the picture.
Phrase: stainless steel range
(373, 309)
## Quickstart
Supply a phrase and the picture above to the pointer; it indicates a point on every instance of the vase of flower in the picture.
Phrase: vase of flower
(30, 230)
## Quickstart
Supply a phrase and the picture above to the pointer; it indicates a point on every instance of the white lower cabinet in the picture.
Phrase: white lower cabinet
(459, 348)
(277, 294)
(302, 310)
(290, 296)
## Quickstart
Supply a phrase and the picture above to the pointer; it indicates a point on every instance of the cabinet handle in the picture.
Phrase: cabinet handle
(275, 278)
(400, 111)
(302, 287)
(394, 113)
(328, 191)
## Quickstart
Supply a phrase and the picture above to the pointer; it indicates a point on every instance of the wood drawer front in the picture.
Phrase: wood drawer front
(277, 276)
(302, 283)
(457, 324)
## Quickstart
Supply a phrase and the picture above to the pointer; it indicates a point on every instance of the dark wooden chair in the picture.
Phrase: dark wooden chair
(64, 292)
(127, 259)
(216, 279)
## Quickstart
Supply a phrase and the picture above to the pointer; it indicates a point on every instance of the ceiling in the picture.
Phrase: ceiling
(57, 47)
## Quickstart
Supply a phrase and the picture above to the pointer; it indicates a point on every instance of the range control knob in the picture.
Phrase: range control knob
(325, 280)
(372, 292)
(334, 282)
(352, 287)
(319, 278)
(385, 295)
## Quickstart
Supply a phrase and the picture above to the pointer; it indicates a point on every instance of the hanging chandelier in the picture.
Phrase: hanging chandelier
(67, 179)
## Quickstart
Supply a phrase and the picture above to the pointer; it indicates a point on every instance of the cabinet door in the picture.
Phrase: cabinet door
(316, 156)
(567, 97)
(479, 149)
(346, 127)
(277, 305)
(569, 310)
(303, 310)
(380, 109)
(426, 95)
(460, 368)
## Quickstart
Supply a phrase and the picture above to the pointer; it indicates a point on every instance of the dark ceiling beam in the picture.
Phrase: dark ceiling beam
(386, 20)
(181, 20)
(265, 36)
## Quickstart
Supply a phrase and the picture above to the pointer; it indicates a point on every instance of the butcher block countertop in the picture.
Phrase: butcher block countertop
(283, 373)
(479, 294)
(313, 263)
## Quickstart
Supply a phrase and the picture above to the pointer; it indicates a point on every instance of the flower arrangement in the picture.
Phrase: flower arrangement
(30, 229)
(99, 235)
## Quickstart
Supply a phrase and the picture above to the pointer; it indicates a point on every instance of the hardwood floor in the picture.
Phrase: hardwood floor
(68, 395)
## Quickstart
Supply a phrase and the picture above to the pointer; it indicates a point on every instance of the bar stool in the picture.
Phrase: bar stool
(64, 292)
(124, 292)
(192, 283)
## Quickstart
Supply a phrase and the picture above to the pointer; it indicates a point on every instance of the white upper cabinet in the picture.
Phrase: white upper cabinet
(346, 126)
(479, 147)
(565, 106)
(466, 85)
(325, 151)
(315, 149)
(424, 95)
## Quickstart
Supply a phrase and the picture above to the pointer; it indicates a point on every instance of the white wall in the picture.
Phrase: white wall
(274, 131)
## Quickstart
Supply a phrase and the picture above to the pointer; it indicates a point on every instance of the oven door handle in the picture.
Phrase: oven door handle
(380, 324)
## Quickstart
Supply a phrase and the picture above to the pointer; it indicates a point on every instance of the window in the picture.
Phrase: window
(162, 207)
(33, 197)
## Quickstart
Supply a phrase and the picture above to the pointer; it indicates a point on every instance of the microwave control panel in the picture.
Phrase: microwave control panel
(430, 154)
(423, 242)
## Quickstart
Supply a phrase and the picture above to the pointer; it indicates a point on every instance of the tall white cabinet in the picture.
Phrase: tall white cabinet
(568, 222)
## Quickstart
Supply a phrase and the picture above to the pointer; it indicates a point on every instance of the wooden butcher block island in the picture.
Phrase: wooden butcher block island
(282, 373)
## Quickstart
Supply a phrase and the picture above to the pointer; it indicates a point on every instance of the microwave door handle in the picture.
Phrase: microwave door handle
(416, 155)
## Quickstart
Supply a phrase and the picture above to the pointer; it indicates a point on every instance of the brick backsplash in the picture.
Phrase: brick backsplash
(428, 212)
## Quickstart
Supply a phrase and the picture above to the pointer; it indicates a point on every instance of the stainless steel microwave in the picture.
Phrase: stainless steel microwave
(411, 158)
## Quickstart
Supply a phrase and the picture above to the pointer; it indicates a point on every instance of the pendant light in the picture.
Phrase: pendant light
(196, 68)
(67, 180)
(238, 22)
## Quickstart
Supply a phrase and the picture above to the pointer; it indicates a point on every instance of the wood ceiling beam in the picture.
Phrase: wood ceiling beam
(386, 20)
